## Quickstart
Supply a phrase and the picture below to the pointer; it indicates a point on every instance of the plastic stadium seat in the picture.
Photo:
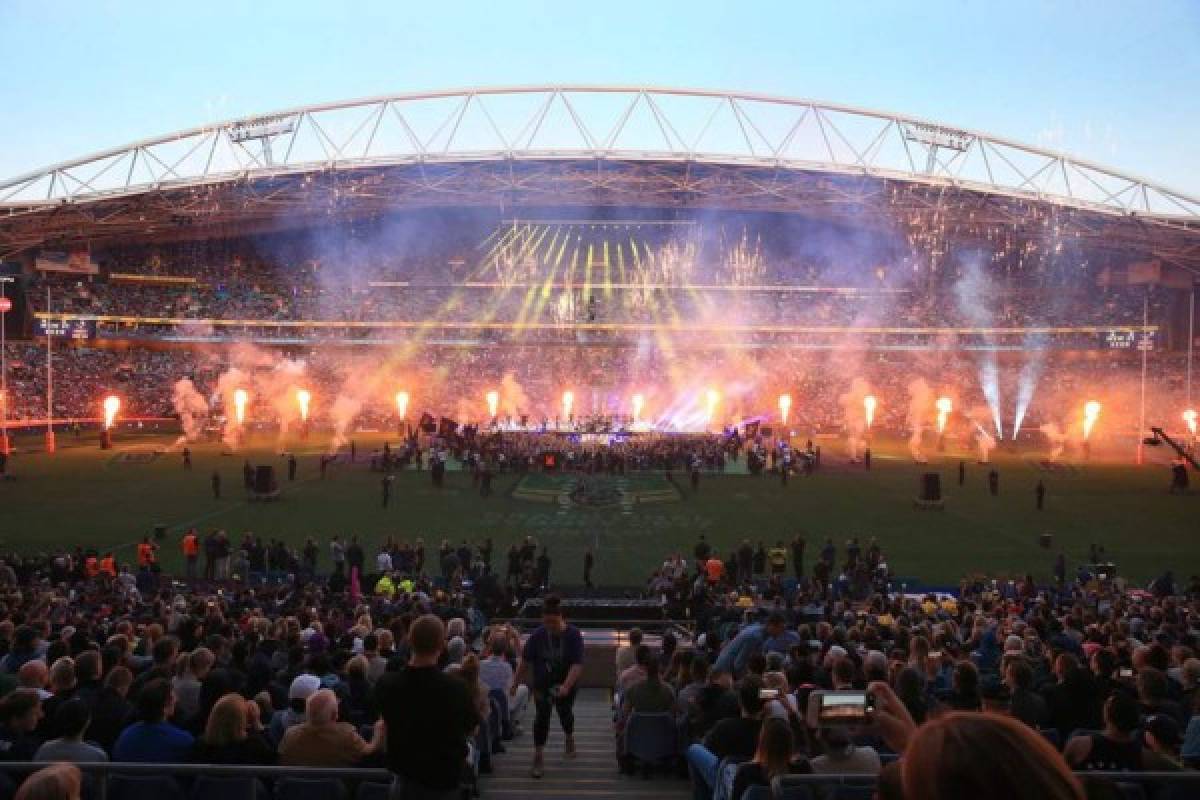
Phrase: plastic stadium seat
(310, 789)
(853, 793)
(651, 738)
(372, 790)
(790, 793)
(1131, 791)
(209, 787)
(143, 787)
(500, 698)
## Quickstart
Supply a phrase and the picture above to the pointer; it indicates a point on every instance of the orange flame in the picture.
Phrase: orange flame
(303, 397)
(568, 402)
(944, 406)
(1189, 417)
(112, 404)
(493, 401)
(869, 404)
(785, 405)
(402, 404)
(239, 405)
(638, 403)
(1091, 412)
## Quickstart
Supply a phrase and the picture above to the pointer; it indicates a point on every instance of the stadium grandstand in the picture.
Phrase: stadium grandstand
(606, 300)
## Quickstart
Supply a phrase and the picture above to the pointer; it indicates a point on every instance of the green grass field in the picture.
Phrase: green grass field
(108, 499)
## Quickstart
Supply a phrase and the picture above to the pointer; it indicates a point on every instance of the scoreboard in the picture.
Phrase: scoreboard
(1127, 340)
(67, 328)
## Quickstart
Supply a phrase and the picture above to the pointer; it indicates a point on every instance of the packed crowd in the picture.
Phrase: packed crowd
(299, 297)
(1001, 690)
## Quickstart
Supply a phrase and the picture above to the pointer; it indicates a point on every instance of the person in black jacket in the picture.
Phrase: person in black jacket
(111, 711)
(20, 713)
(429, 716)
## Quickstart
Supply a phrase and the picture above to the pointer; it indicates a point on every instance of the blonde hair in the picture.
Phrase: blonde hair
(226, 722)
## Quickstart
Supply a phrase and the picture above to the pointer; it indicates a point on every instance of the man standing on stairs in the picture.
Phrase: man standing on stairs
(554, 654)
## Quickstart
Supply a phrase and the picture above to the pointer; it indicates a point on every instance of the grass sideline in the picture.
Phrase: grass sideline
(110, 498)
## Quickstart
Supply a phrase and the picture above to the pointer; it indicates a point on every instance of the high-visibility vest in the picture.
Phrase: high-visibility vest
(191, 546)
(108, 565)
(145, 554)
(91, 567)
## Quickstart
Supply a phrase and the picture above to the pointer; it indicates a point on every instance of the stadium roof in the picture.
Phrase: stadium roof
(590, 146)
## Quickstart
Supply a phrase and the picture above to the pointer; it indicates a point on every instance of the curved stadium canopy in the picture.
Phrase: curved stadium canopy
(589, 146)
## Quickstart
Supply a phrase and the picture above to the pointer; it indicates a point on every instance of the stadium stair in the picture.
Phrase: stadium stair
(1178, 448)
(593, 774)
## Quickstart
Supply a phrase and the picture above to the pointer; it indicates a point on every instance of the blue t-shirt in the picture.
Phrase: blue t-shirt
(552, 655)
(158, 743)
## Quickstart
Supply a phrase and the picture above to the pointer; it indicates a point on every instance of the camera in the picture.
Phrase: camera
(840, 708)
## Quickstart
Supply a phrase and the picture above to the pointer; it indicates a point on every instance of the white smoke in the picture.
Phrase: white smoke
(853, 417)
(920, 400)
(342, 413)
(229, 381)
(189, 405)
(513, 399)
(1056, 438)
(986, 443)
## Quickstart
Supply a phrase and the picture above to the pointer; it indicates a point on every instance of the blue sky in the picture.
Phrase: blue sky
(1114, 82)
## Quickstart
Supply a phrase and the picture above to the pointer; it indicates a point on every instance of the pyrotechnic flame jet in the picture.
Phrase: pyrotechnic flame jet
(1091, 412)
(402, 404)
(493, 403)
(112, 404)
(944, 406)
(239, 405)
(785, 405)
(302, 399)
(869, 404)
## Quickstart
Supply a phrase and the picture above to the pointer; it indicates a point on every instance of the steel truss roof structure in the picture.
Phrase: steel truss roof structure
(579, 145)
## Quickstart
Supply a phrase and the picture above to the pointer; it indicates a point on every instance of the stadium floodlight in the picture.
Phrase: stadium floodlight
(263, 130)
(936, 137)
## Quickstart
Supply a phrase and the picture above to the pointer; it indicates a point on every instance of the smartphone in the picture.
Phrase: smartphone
(935, 653)
(1125, 673)
(840, 708)
(768, 694)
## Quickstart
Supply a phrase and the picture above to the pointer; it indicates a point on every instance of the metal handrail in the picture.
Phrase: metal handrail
(381, 774)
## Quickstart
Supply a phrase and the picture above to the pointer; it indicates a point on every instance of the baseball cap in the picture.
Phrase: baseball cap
(303, 687)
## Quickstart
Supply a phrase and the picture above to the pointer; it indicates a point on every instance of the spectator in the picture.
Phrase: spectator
(234, 735)
(554, 655)
(302, 688)
(650, 696)
(1115, 749)
(1024, 703)
(497, 674)
(110, 710)
(749, 641)
(626, 653)
(736, 737)
(71, 720)
(20, 713)
(152, 739)
(773, 758)
(984, 757)
(57, 782)
(842, 756)
(193, 669)
(428, 717)
(322, 741)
